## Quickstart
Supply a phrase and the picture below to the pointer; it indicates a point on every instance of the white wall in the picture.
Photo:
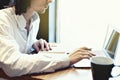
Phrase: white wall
(84, 22)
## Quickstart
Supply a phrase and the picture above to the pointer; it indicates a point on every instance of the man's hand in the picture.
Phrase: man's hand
(41, 45)
(80, 54)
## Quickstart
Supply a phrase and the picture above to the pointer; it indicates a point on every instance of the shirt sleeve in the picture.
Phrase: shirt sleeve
(15, 63)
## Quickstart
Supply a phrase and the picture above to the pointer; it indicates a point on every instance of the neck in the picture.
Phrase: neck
(28, 15)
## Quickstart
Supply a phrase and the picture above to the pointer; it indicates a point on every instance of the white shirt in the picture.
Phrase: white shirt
(15, 45)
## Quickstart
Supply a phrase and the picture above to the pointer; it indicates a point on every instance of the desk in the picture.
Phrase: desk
(66, 74)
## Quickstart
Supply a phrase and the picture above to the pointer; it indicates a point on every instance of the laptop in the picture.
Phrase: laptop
(110, 48)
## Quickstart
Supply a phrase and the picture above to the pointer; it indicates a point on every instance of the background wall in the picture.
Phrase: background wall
(44, 26)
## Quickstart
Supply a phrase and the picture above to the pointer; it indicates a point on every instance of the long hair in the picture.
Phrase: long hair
(21, 6)
(4, 3)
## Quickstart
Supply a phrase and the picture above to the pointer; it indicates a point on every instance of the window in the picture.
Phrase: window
(52, 21)
(85, 22)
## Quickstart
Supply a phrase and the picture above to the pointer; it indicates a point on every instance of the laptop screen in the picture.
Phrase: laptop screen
(112, 43)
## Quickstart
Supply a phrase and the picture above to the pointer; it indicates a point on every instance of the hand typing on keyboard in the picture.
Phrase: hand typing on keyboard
(79, 54)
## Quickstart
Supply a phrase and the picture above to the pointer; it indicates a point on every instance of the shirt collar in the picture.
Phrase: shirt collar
(21, 21)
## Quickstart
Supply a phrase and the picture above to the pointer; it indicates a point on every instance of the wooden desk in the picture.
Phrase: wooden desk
(66, 74)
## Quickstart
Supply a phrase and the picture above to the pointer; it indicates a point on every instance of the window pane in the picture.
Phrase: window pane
(85, 22)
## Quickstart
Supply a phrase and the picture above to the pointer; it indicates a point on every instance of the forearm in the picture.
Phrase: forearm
(15, 63)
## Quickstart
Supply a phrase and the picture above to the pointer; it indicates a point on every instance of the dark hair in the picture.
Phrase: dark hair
(4, 3)
(21, 6)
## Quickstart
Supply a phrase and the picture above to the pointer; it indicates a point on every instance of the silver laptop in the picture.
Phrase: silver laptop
(109, 47)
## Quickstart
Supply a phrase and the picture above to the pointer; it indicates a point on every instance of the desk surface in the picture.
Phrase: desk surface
(66, 74)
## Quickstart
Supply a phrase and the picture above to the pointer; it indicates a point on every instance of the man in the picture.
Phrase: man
(19, 25)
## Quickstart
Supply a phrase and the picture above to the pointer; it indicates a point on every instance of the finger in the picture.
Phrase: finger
(93, 54)
(36, 48)
(46, 45)
(83, 56)
(41, 44)
(86, 57)
(88, 54)
(86, 48)
(83, 50)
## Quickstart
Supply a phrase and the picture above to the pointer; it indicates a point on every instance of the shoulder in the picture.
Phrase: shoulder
(6, 18)
(6, 13)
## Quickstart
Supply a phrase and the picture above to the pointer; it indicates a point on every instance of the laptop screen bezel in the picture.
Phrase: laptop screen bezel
(110, 32)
